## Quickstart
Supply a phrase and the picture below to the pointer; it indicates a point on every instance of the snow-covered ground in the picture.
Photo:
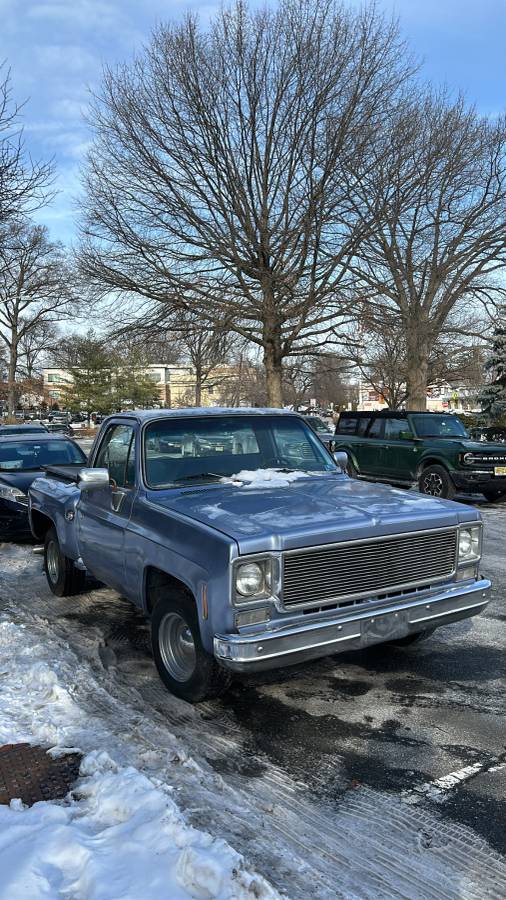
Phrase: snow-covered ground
(172, 801)
(120, 834)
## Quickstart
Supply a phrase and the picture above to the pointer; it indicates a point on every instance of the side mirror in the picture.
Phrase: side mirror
(406, 436)
(93, 479)
(341, 458)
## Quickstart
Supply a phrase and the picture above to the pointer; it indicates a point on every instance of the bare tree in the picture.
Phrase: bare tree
(36, 286)
(37, 341)
(25, 184)
(436, 188)
(214, 183)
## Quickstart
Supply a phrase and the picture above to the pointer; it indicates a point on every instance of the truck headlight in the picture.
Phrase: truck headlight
(13, 494)
(249, 579)
(253, 580)
(469, 544)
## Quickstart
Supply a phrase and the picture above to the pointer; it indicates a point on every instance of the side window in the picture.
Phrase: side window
(362, 425)
(376, 429)
(393, 428)
(116, 454)
(346, 425)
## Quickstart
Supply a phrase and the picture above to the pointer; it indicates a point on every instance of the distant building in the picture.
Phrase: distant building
(444, 398)
(176, 384)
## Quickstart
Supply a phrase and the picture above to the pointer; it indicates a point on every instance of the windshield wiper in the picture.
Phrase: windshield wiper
(198, 475)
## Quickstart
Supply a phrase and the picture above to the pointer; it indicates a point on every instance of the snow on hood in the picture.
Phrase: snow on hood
(265, 478)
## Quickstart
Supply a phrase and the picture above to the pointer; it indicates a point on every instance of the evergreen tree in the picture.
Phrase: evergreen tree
(493, 396)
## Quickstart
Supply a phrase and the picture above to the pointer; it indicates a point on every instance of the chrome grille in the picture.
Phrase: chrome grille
(370, 568)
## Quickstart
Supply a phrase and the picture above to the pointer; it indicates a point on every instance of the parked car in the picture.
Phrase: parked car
(9, 430)
(431, 449)
(22, 459)
(59, 428)
(248, 546)
(321, 429)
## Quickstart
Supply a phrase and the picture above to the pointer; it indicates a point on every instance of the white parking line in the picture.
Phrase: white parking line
(439, 788)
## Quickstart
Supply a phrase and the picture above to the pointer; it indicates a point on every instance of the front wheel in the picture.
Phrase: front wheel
(436, 482)
(62, 576)
(184, 666)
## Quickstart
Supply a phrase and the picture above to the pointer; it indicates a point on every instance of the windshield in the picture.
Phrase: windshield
(23, 455)
(317, 424)
(211, 447)
(438, 426)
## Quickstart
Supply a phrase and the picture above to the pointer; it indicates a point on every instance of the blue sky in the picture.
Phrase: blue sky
(56, 48)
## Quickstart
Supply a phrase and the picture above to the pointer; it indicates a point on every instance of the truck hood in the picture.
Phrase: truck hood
(310, 511)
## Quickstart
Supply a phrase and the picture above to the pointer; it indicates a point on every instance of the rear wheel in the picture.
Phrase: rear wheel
(436, 482)
(62, 576)
(184, 666)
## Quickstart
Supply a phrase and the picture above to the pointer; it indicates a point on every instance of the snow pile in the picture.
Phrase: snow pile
(265, 478)
(120, 834)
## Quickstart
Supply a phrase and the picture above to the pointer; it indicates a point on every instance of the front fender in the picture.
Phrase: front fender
(57, 501)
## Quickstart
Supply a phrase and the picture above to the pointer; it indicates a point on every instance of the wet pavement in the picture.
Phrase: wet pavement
(424, 724)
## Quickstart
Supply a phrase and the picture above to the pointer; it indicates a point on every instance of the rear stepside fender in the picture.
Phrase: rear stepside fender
(53, 503)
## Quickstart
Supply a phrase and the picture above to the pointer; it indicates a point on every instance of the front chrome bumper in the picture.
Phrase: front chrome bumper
(274, 646)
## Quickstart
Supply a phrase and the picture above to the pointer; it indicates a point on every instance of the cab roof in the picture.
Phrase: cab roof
(144, 415)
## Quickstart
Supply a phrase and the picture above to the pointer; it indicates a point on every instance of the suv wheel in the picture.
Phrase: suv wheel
(436, 481)
(62, 576)
(184, 666)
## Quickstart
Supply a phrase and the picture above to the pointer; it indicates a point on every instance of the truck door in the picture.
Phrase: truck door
(103, 515)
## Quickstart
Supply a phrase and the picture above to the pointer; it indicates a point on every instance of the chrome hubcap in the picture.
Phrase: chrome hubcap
(52, 562)
(177, 647)
(433, 484)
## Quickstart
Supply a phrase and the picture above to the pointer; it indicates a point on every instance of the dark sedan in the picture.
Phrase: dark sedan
(22, 459)
(9, 430)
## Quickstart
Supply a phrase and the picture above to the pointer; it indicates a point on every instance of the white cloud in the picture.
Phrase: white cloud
(70, 58)
(80, 13)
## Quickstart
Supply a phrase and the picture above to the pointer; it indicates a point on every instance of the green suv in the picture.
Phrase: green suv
(432, 449)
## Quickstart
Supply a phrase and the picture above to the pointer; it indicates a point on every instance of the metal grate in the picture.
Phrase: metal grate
(366, 569)
(30, 774)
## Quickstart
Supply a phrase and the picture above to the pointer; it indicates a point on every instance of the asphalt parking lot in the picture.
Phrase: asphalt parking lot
(422, 726)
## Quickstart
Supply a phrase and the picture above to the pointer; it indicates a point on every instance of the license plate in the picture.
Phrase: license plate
(385, 628)
(500, 470)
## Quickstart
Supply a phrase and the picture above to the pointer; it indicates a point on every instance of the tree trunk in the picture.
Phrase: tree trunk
(11, 377)
(273, 363)
(198, 385)
(417, 377)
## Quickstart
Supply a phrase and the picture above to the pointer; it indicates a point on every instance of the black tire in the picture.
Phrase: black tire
(63, 578)
(436, 482)
(493, 494)
(184, 666)
(413, 638)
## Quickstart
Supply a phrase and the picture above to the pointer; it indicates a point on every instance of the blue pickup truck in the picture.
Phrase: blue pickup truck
(248, 546)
